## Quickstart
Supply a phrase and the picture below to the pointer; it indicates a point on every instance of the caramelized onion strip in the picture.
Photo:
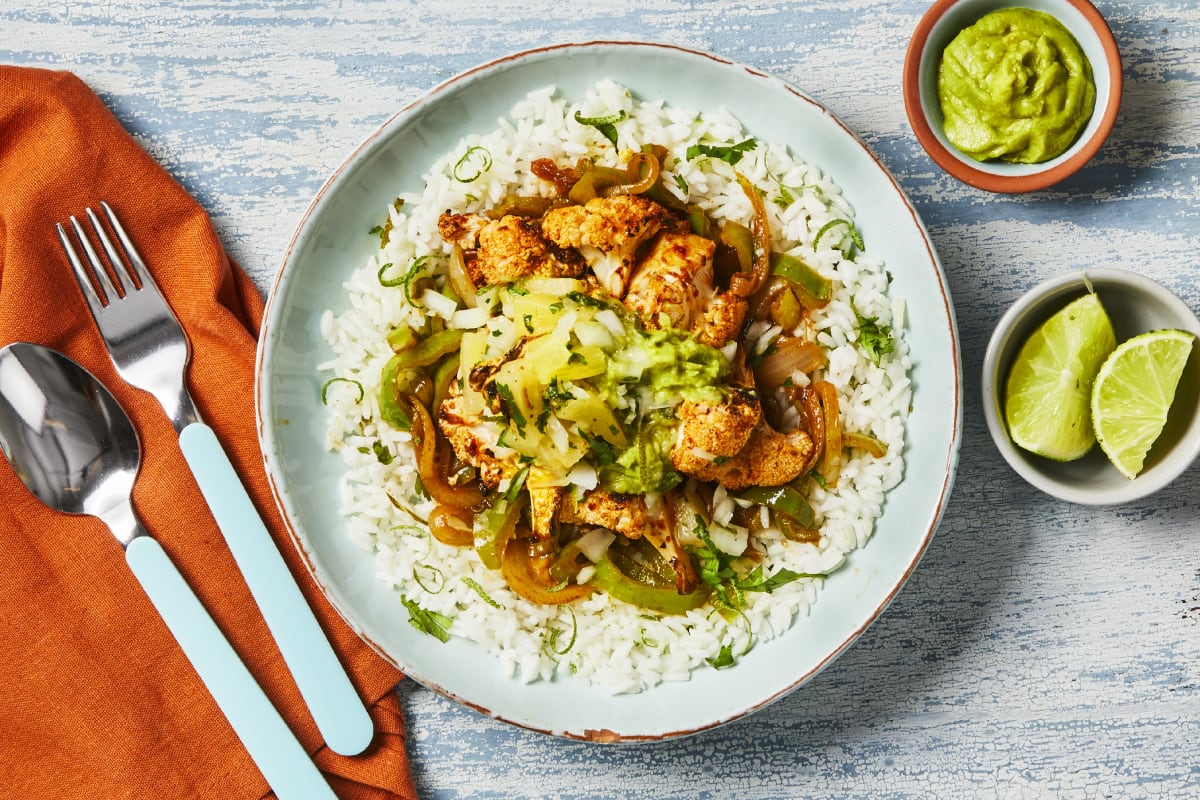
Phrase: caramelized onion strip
(430, 466)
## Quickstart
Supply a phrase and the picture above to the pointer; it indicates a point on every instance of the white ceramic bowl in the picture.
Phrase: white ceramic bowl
(941, 23)
(331, 242)
(1135, 304)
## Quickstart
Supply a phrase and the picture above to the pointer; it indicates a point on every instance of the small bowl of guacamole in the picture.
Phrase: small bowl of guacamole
(1012, 96)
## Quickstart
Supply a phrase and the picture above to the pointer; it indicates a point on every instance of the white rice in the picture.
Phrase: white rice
(617, 646)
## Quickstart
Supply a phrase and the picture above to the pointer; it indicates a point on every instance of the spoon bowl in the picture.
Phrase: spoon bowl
(69, 440)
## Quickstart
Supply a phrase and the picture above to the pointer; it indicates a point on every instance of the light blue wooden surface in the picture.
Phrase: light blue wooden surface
(1040, 650)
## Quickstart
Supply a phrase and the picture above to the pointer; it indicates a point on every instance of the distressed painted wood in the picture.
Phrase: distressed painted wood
(1041, 650)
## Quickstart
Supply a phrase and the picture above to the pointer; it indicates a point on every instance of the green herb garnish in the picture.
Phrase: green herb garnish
(729, 153)
(382, 454)
(606, 125)
(426, 621)
(874, 338)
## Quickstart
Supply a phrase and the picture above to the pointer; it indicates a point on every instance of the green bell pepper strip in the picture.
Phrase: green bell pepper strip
(401, 339)
(432, 349)
(494, 527)
(802, 275)
(659, 599)
(740, 239)
(391, 406)
(783, 499)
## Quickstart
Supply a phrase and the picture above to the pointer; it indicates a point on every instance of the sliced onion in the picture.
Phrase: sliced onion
(762, 244)
(831, 463)
(430, 466)
(451, 526)
(639, 183)
(792, 354)
(521, 574)
(460, 279)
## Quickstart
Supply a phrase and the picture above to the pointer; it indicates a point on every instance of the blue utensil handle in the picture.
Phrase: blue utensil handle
(273, 747)
(323, 682)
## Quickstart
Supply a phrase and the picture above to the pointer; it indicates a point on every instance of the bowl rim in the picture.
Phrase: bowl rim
(1047, 292)
(954, 165)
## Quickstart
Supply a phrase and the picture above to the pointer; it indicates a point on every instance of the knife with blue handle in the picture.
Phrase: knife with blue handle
(273, 747)
(335, 705)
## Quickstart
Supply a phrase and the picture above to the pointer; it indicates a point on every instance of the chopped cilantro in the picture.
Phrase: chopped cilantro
(722, 659)
(510, 404)
(874, 337)
(426, 621)
(382, 453)
(729, 153)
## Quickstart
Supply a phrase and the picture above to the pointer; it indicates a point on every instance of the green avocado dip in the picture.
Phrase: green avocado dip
(1015, 87)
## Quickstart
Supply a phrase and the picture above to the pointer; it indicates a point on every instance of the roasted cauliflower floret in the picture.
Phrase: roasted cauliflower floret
(711, 432)
(608, 232)
(472, 441)
(673, 283)
(770, 458)
(513, 247)
(673, 286)
(461, 229)
(722, 320)
(623, 513)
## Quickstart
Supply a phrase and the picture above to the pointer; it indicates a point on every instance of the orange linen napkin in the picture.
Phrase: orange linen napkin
(96, 699)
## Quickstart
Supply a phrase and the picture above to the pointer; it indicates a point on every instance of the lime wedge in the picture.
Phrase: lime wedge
(1133, 393)
(1047, 398)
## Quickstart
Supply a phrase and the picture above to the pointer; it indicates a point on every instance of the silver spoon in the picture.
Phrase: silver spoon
(74, 447)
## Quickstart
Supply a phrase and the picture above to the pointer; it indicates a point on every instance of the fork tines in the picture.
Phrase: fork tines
(104, 282)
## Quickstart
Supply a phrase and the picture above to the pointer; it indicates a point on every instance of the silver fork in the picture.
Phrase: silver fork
(144, 338)
(151, 352)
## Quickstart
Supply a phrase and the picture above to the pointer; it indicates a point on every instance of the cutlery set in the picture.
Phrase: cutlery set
(77, 451)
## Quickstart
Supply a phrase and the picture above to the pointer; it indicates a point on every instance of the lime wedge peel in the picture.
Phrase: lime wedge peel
(1048, 393)
(1133, 393)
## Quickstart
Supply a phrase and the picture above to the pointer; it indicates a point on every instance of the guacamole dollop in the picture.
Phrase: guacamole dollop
(1016, 87)
(664, 367)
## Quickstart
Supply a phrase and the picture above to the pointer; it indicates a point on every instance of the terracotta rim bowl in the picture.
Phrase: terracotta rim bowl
(940, 24)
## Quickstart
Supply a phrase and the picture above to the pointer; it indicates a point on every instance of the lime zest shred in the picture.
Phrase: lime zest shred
(476, 153)
(474, 586)
(854, 234)
(328, 383)
(551, 640)
(437, 578)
